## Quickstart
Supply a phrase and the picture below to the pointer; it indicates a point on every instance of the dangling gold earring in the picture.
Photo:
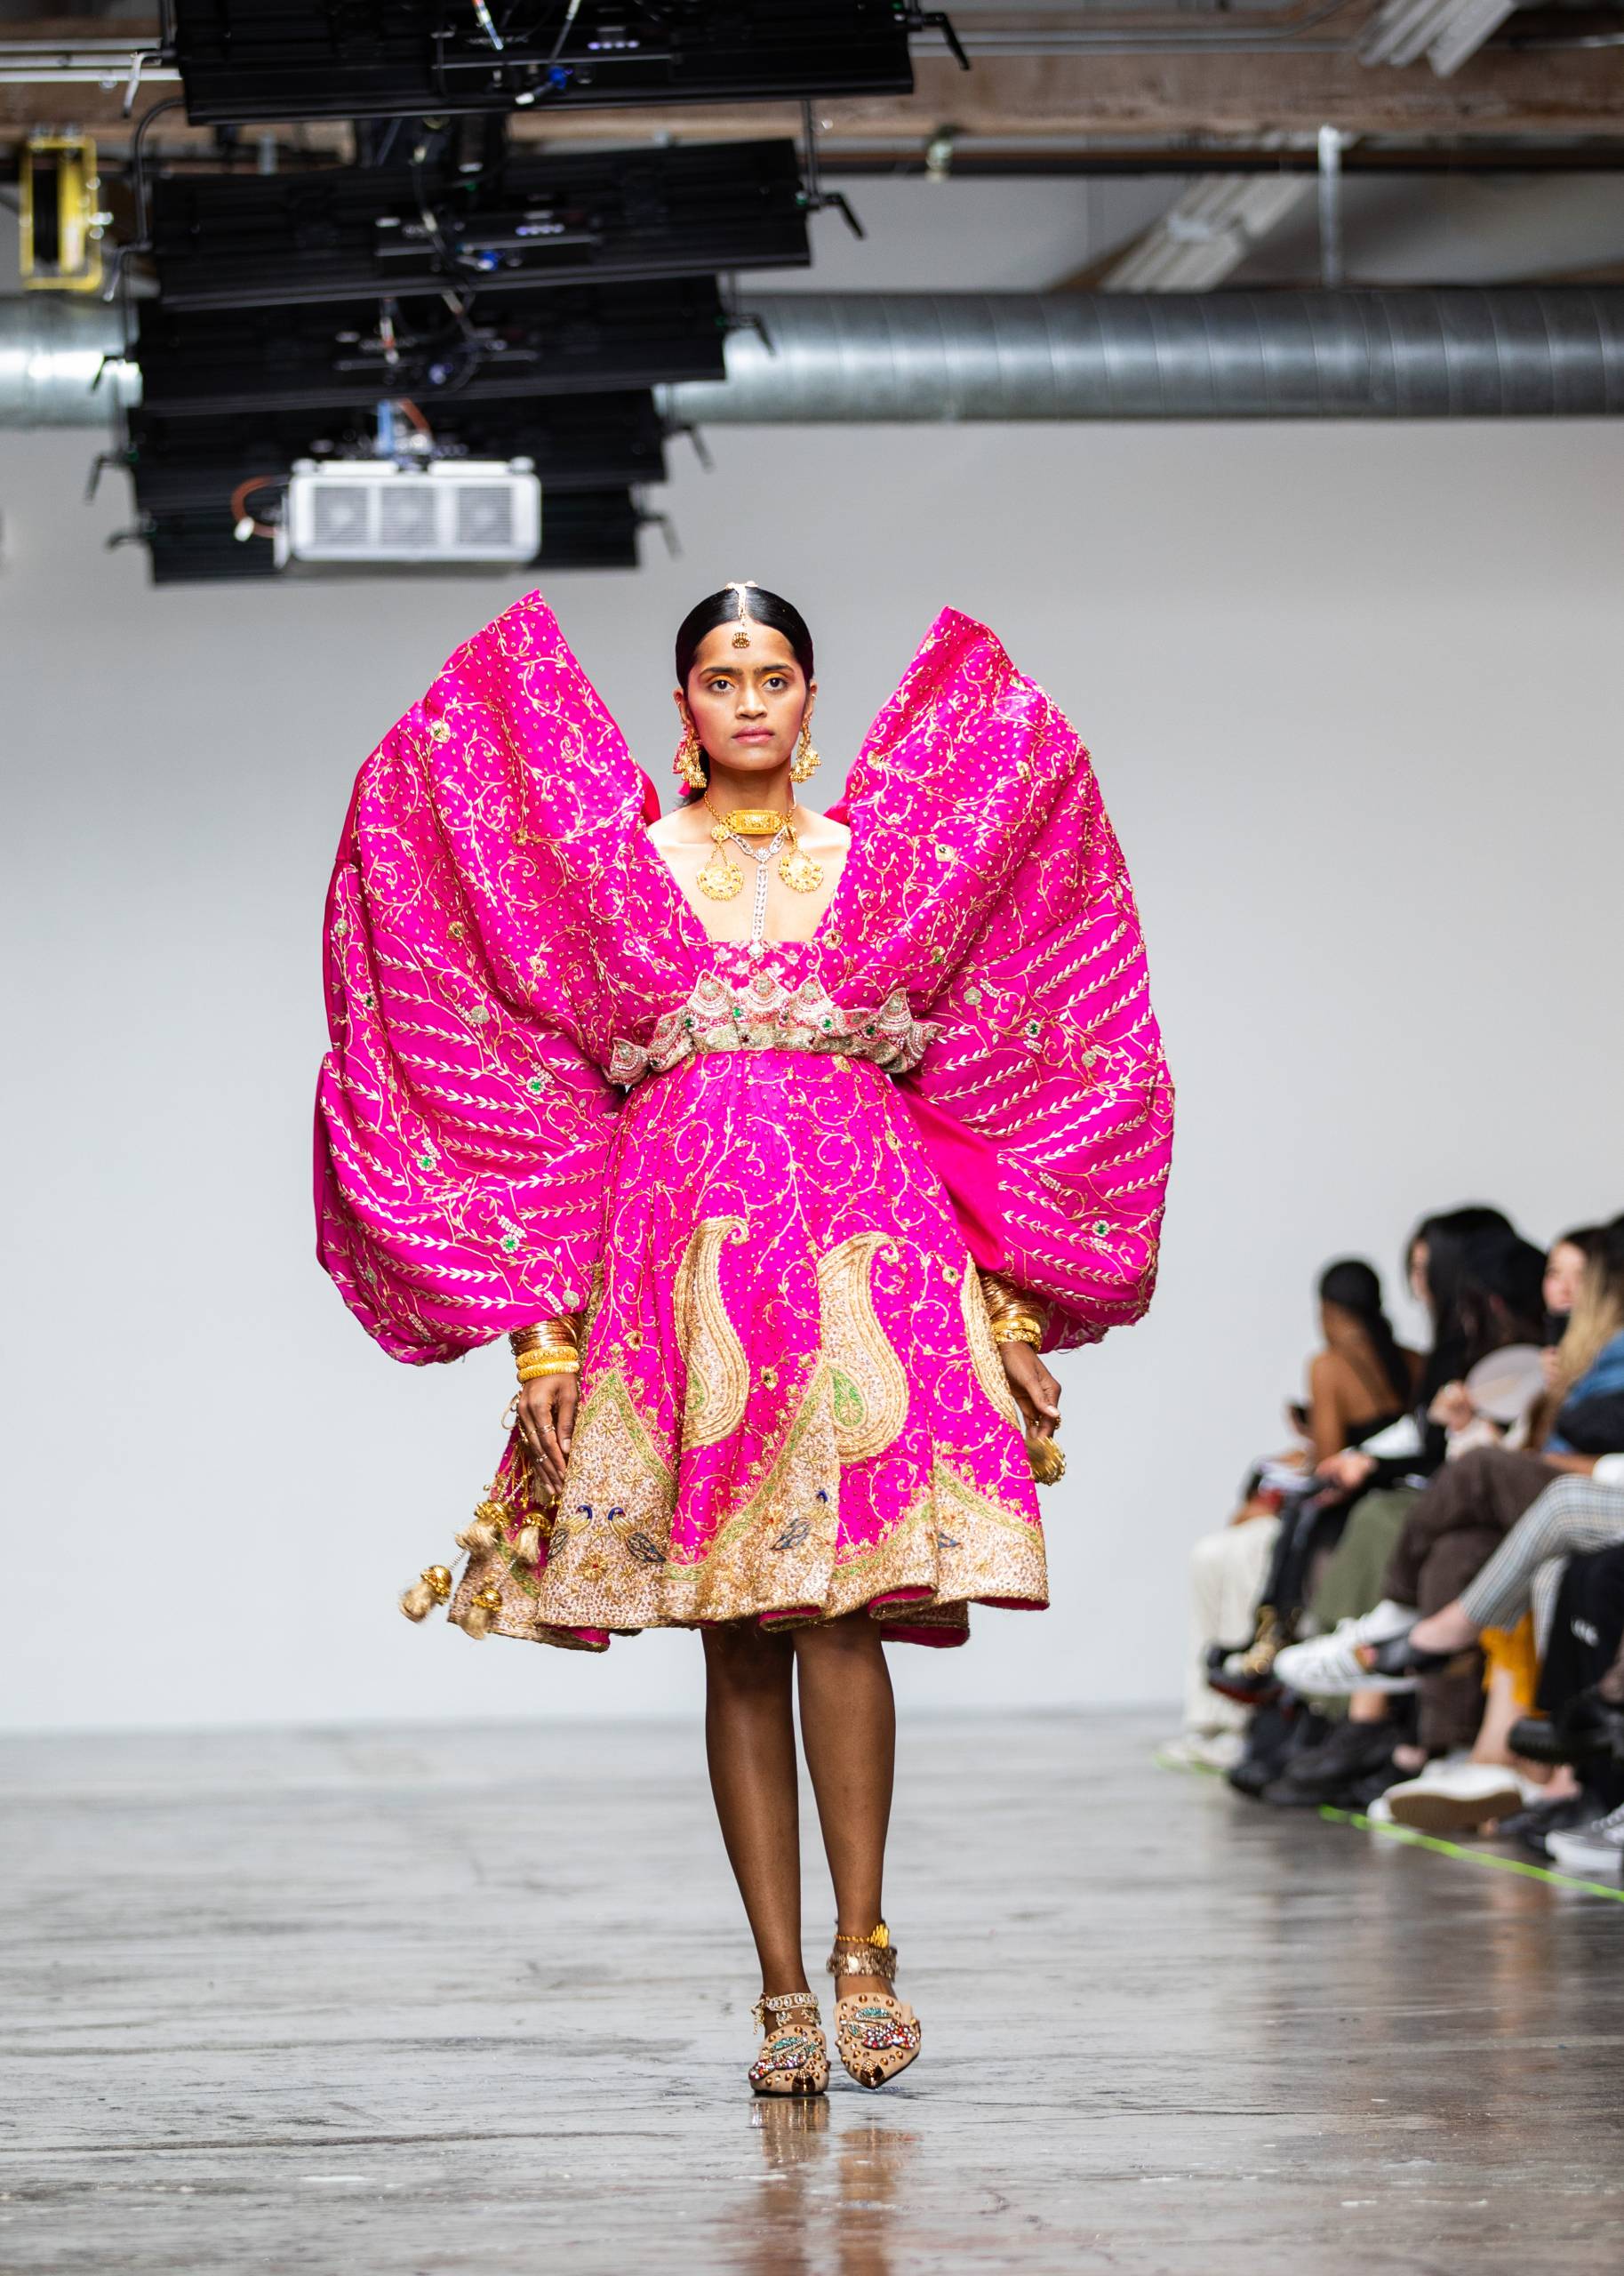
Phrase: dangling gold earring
(688, 765)
(805, 759)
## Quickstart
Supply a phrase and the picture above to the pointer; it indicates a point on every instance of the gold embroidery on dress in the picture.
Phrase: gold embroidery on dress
(984, 1351)
(614, 1527)
(775, 1551)
(869, 1383)
(718, 1373)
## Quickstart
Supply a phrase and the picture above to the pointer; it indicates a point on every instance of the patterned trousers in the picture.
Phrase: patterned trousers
(1572, 1516)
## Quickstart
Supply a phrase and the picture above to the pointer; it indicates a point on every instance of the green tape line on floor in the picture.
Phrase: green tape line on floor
(1414, 1840)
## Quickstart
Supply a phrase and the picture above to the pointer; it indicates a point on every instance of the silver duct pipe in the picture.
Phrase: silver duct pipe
(910, 356)
(54, 370)
(1419, 354)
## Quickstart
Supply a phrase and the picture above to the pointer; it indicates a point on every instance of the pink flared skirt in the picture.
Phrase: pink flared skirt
(791, 1407)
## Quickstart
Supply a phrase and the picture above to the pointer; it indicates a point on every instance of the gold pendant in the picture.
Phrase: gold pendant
(800, 872)
(720, 879)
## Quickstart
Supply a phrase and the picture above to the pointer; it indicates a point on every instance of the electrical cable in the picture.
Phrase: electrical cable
(245, 524)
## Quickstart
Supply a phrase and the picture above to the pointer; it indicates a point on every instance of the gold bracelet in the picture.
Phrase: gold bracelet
(1012, 1314)
(557, 1334)
(535, 1364)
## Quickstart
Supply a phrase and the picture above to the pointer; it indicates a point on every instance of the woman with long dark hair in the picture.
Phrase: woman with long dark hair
(1360, 1381)
(779, 1145)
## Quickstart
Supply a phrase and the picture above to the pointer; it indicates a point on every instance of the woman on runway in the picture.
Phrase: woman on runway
(779, 1145)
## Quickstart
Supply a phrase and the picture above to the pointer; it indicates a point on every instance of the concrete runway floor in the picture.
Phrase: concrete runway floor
(414, 2002)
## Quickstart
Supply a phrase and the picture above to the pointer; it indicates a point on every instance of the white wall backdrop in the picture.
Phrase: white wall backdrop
(1353, 693)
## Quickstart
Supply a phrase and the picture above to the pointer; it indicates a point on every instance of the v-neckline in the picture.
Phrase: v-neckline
(816, 939)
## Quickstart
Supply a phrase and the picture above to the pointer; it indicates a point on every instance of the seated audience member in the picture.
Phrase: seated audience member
(1480, 1283)
(1450, 1534)
(1342, 1481)
(1360, 1381)
(1581, 1722)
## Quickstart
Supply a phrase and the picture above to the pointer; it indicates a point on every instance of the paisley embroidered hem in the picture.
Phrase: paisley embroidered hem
(765, 1015)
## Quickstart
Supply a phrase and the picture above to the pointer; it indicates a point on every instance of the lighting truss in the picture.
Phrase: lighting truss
(247, 60)
(578, 340)
(223, 240)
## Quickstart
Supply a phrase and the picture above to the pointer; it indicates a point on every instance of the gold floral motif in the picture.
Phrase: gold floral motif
(718, 1373)
(868, 1382)
(984, 1352)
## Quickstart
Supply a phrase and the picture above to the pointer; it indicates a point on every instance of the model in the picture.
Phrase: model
(780, 1144)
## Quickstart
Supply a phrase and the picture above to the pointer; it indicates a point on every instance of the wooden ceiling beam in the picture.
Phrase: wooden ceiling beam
(1206, 94)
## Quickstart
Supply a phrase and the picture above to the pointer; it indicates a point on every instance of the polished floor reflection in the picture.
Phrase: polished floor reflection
(405, 2003)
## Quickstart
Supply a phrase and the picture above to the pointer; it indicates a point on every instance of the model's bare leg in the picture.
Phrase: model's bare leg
(749, 1745)
(849, 1733)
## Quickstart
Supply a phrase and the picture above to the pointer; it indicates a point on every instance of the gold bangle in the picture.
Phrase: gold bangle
(556, 1335)
(547, 1363)
(1012, 1313)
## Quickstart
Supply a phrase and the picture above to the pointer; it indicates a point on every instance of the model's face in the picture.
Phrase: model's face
(1564, 1269)
(747, 704)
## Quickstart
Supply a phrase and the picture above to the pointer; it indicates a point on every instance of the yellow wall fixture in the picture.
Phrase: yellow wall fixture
(62, 219)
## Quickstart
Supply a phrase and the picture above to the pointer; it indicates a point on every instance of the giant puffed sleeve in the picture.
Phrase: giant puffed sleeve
(978, 829)
(463, 1132)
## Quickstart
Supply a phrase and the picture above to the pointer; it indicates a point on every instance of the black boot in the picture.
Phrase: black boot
(1353, 1754)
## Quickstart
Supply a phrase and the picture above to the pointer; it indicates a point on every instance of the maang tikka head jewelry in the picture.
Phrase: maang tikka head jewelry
(741, 639)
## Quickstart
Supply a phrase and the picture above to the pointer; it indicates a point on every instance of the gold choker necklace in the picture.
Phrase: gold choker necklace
(754, 822)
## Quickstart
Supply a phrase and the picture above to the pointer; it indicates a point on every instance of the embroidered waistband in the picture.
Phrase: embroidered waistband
(764, 1014)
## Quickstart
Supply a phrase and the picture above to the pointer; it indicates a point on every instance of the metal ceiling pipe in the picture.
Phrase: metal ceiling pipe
(912, 356)
(54, 362)
(1416, 353)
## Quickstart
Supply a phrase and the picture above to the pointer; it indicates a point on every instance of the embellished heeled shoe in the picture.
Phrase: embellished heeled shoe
(875, 2035)
(793, 2060)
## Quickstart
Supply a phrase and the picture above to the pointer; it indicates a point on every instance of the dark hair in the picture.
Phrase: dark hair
(1589, 1240)
(1352, 1286)
(1498, 1298)
(727, 607)
(1446, 1234)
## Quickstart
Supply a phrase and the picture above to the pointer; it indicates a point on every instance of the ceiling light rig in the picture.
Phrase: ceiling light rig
(244, 60)
(375, 363)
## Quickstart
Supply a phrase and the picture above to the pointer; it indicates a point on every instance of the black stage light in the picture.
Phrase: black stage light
(577, 339)
(575, 443)
(223, 240)
(247, 60)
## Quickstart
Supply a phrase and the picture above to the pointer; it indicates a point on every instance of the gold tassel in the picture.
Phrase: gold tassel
(527, 1548)
(484, 1531)
(483, 1610)
(432, 1587)
(1048, 1461)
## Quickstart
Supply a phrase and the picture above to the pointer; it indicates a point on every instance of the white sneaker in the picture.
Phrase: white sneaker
(1455, 1796)
(1596, 1850)
(1203, 1750)
(1327, 1667)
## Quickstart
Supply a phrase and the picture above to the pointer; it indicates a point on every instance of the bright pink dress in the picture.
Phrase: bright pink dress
(767, 1179)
